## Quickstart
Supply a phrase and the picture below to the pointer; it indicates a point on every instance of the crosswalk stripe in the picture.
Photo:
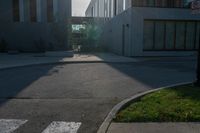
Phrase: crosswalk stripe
(62, 127)
(10, 125)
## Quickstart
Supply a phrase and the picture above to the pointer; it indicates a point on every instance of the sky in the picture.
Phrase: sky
(79, 7)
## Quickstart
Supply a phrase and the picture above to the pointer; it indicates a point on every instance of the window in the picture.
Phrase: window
(171, 35)
(96, 9)
(50, 11)
(151, 3)
(124, 4)
(149, 29)
(115, 7)
(92, 11)
(197, 39)
(180, 35)
(33, 11)
(39, 10)
(106, 8)
(158, 3)
(159, 40)
(161, 3)
(178, 3)
(190, 35)
(111, 8)
(170, 3)
(16, 16)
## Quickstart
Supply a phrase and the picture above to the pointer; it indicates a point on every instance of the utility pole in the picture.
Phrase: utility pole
(195, 6)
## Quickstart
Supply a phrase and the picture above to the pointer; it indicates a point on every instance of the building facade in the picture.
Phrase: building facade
(107, 8)
(33, 25)
(148, 27)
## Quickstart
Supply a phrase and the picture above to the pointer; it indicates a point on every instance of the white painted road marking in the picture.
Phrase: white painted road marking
(62, 127)
(10, 125)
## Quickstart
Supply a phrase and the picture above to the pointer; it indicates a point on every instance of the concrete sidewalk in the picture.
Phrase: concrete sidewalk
(27, 59)
(154, 128)
(9, 61)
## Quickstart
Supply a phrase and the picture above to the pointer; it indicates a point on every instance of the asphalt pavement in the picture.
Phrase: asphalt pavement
(77, 97)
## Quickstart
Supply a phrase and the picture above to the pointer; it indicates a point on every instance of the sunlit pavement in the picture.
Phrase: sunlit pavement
(77, 97)
(27, 59)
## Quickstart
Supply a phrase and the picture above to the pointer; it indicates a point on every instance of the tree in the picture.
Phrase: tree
(92, 33)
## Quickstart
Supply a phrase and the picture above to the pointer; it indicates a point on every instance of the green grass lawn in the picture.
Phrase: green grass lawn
(178, 104)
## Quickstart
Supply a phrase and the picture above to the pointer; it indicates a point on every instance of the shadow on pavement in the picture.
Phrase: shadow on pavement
(149, 74)
(157, 72)
(15, 80)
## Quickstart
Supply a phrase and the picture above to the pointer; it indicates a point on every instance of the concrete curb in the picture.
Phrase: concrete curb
(55, 63)
(105, 125)
(62, 63)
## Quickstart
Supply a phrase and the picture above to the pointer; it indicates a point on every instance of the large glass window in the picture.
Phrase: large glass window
(33, 10)
(151, 3)
(124, 4)
(16, 11)
(115, 7)
(159, 34)
(161, 3)
(158, 3)
(171, 35)
(190, 35)
(92, 11)
(50, 16)
(197, 35)
(180, 35)
(149, 35)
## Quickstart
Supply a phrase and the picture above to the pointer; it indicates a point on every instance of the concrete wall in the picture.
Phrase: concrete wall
(112, 36)
(134, 19)
(26, 35)
(141, 14)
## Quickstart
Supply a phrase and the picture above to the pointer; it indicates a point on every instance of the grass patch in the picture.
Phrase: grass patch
(178, 104)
